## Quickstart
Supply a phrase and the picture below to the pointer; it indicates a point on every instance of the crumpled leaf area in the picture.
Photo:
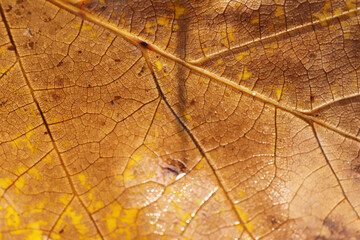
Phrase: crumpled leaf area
(179, 119)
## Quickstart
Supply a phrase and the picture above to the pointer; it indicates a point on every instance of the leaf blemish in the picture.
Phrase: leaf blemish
(175, 167)
(144, 44)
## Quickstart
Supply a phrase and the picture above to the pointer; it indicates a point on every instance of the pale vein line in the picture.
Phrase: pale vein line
(136, 40)
(294, 29)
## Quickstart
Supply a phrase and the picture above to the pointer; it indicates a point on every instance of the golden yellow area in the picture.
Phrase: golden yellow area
(325, 12)
(12, 217)
(26, 140)
(148, 27)
(93, 34)
(159, 65)
(269, 48)
(129, 173)
(82, 179)
(243, 57)
(179, 9)
(47, 159)
(199, 166)
(279, 12)
(33, 171)
(95, 204)
(20, 183)
(76, 221)
(220, 61)
(245, 75)
(121, 222)
(351, 4)
(5, 182)
(245, 218)
(3, 50)
(83, 27)
(8, 68)
(164, 21)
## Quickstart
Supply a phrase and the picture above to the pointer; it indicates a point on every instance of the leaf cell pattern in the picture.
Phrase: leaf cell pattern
(179, 119)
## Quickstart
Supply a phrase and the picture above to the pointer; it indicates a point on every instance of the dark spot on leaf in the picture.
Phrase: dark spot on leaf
(112, 102)
(29, 13)
(175, 166)
(273, 220)
(144, 44)
(117, 97)
(31, 45)
(102, 8)
(89, 85)
(312, 55)
(60, 63)
(79, 51)
(320, 238)
(117, 60)
(55, 96)
(11, 47)
(17, 12)
(192, 102)
(316, 114)
(141, 71)
(61, 231)
(3, 102)
(19, 1)
(312, 97)
(45, 133)
(9, 8)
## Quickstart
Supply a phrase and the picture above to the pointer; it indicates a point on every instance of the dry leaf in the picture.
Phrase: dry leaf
(179, 119)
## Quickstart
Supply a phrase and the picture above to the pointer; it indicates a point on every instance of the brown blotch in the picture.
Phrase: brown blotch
(59, 82)
(355, 165)
(9, 8)
(60, 63)
(175, 166)
(312, 55)
(273, 220)
(117, 97)
(31, 45)
(117, 60)
(192, 102)
(55, 96)
(142, 71)
(79, 51)
(11, 47)
(61, 231)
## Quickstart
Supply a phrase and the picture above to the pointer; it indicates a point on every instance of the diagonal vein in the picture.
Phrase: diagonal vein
(137, 40)
(2, 14)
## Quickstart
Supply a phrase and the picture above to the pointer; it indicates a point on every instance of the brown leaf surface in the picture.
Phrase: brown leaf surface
(179, 119)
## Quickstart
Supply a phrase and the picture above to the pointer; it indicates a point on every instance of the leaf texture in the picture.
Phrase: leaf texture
(179, 119)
